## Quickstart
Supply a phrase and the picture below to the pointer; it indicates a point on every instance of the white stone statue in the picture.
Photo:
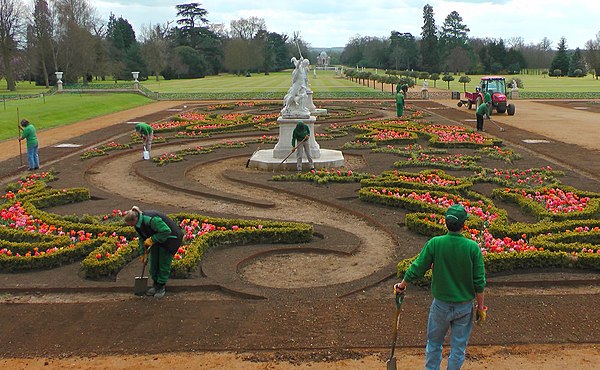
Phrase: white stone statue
(515, 87)
(295, 101)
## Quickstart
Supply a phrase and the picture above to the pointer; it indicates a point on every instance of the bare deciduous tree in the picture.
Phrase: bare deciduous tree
(154, 47)
(592, 54)
(247, 29)
(11, 28)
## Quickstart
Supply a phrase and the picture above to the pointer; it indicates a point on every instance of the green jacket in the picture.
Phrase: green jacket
(29, 135)
(400, 99)
(487, 98)
(144, 129)
(457, 264)
(482, 109)
(300, 132)
(151, 225)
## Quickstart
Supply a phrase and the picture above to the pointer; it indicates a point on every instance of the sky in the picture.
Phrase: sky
(329, 23)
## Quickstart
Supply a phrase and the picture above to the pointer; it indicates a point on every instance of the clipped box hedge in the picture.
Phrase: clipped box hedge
(390, 179)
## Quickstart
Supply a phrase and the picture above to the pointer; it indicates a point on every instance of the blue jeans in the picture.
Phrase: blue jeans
(32, 157)
(458, 317)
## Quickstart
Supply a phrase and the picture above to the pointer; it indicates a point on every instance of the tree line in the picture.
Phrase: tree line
(46, 36)
(449, 49)
(67, 36)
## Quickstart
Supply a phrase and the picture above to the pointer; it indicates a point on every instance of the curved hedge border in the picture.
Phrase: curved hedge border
(591, 210)
(392, 178)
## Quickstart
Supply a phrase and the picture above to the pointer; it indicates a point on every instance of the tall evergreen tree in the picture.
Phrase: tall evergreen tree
(453, 43)
(561, 59)
(577, 63)
(429, 41)
(454, 32)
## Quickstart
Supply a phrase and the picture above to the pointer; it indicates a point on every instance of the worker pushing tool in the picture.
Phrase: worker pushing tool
(301, 134)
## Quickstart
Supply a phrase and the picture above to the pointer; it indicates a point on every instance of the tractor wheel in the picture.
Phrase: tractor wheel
(511, 109)
(501, 110)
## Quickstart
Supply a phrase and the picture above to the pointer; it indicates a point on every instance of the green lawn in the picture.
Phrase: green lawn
(531, 83)
(326, 81)
(62, 109)
(56, 110)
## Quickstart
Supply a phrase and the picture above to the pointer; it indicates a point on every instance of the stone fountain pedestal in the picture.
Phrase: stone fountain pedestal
(271, 159)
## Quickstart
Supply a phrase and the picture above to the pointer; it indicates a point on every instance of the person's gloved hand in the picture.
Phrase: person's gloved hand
(481, 315)
(148, 243)
(144, 257)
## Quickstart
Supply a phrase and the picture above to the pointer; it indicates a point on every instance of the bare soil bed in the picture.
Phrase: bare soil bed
(326, 304)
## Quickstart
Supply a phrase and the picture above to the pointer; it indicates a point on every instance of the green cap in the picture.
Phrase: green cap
(456, 214)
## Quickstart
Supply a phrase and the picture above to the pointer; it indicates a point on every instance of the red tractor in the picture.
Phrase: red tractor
(496, 85)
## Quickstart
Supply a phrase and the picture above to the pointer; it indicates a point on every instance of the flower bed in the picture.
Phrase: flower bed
(323, 176)
(504, 154)
(516, 178)
(428, 179)
(409, 149)
(554, 203)
(434, 201)
(103, 150)
(451, 161)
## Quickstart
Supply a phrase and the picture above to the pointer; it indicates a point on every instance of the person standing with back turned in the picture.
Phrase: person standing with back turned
(458, 277)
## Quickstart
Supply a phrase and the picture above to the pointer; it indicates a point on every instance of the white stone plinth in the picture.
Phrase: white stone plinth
(264, 160)
(286, 127)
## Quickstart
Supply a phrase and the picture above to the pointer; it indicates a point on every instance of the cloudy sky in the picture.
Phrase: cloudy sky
(329, 23)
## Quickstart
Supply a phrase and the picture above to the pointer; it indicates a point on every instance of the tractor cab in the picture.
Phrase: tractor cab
(493, 84)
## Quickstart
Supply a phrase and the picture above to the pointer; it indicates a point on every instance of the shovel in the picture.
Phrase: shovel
(141, 282)
(391, 363)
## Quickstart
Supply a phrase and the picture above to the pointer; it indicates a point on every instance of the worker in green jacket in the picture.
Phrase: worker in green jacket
(487, 99)
(301, 134)
(160, 238)
(458, 277)
(28, 134)
(147, 134)
(482, 109)
(400, 97)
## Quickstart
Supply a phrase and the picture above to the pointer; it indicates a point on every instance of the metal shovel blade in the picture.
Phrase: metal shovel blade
(141, 285)
(391, 363)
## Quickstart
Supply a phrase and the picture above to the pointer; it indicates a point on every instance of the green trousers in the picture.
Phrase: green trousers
(160, 264)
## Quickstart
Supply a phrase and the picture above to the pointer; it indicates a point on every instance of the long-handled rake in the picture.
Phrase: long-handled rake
(290, 153)
(497, 125)
(257, 149)
(19, 129)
